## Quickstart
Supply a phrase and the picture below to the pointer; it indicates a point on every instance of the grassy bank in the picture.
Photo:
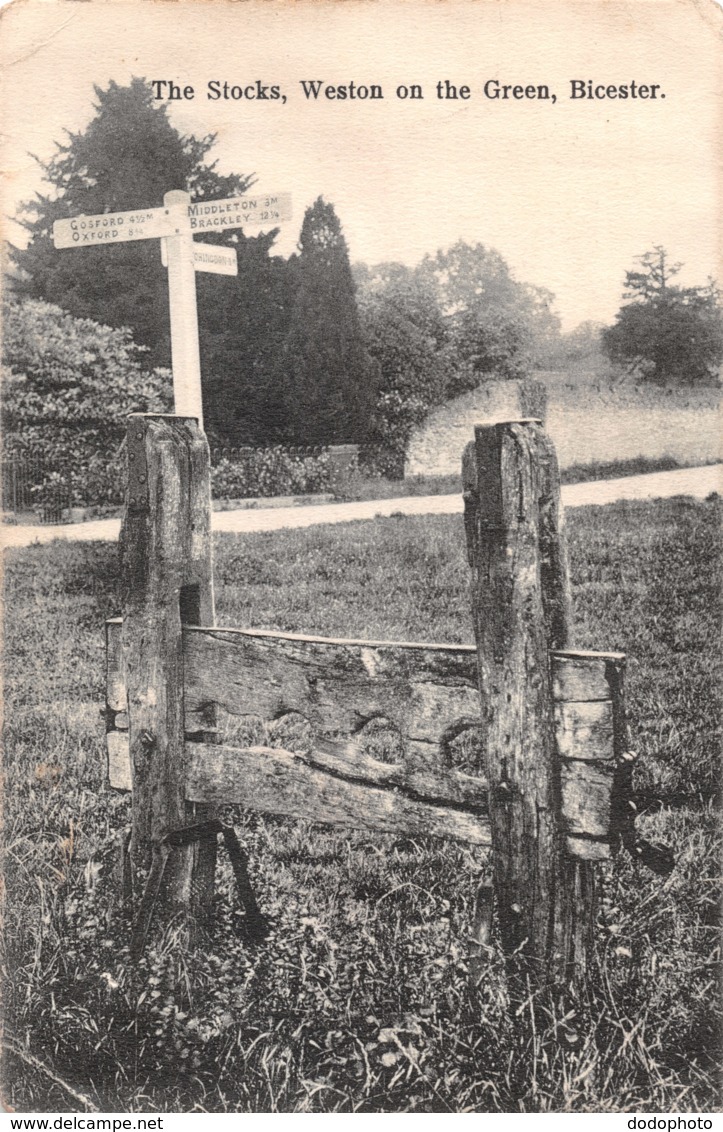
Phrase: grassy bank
(361, 488)
(359, 1001)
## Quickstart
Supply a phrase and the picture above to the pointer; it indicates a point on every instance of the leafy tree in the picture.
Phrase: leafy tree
(440, 329)
(498, 327)
(69, 385)
(665, 332)
(127, 157)
(327, 380)
(406, 335)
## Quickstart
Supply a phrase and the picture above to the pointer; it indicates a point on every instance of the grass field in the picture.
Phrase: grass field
(359, 1001)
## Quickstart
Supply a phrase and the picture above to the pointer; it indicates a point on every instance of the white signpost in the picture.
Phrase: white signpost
(119, 227)
(174, 225)
(235, 212)
(209, 257)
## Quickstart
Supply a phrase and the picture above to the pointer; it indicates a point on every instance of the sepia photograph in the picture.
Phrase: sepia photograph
(360, 542)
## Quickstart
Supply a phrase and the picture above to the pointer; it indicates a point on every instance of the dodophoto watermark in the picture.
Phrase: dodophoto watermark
(669, 1123)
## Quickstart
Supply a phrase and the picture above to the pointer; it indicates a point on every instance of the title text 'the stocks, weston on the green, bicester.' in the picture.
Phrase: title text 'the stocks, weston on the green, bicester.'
(493, 90)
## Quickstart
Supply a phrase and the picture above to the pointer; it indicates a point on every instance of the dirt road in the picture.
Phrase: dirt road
(696, 482)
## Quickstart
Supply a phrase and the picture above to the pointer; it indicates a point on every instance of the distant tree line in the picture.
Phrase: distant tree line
(296, 350)
(663, 333)
(302, 350)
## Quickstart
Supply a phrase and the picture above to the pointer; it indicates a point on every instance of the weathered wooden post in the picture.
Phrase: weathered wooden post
(167, 580)
(545, 899)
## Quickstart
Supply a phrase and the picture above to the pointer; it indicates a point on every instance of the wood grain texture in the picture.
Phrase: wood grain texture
(445, 789)
(583, 675)
(428, 693)
(586, 798)
(586, 848)
(117, 748)
(443, 784)
(515, 538)
(285, 678)
(118, 769)
(197, 607)
(115, 677)
(166, 527)
(284, 782)
(585, 730)
(590, 737)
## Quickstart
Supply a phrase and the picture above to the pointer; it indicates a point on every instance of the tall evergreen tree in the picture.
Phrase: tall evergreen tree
(329, 381)
(126, 158)
(664, 332)
(245, 341)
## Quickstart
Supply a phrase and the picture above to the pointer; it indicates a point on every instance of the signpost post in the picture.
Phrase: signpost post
(175, 225)
(185, 354)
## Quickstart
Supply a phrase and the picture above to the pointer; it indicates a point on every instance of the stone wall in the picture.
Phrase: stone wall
(435, 448)
(589, 421)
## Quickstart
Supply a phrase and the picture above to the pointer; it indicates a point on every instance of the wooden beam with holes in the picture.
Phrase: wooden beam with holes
(428, 691)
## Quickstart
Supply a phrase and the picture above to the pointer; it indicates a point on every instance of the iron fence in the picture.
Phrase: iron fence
(238, 454)
(35, 488)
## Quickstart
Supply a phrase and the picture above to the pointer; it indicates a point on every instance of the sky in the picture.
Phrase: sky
(569, 193)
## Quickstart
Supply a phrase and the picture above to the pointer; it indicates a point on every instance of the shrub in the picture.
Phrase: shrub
(69, 385)
(269, 471)
(380, 461)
